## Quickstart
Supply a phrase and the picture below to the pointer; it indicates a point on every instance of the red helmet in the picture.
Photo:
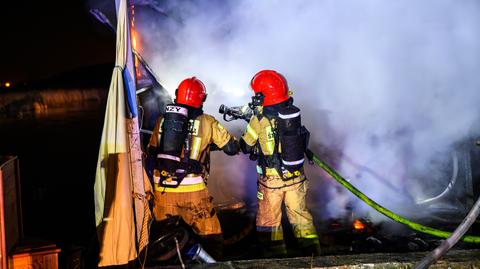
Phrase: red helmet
(191, 92)
(272, 85)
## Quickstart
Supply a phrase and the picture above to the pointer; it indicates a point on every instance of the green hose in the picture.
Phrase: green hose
(381, 209)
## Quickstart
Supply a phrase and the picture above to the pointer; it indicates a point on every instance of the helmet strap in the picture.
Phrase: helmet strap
(257, 99)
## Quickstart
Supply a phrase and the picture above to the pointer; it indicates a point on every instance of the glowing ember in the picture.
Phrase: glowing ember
(358, 225)
(335, 225)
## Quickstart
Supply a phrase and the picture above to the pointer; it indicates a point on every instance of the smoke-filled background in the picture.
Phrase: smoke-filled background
(387, 88)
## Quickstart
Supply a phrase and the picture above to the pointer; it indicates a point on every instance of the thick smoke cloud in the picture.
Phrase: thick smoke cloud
(387, 88)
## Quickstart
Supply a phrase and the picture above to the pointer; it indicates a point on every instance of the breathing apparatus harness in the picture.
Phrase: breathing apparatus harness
(292, 137)
(173, 153)
(287, 132)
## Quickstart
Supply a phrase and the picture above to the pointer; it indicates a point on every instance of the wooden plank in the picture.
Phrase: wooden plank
(34, 254)
(3, 244)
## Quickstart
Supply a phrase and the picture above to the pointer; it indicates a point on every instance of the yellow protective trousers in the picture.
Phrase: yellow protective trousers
(269, 214)
(196, 209)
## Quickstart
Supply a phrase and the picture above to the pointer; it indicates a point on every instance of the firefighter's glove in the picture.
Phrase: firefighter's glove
(246, 149)
(232, 147)
(214, 147)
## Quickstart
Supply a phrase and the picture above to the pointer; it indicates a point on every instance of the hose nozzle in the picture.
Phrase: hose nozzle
(235, 113)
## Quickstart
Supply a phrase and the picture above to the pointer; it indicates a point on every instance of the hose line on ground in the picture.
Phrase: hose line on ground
(381, 209)
(446, 245)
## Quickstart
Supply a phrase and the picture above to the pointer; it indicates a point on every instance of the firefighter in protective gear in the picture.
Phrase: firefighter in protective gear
(181, 143)
(279, 141)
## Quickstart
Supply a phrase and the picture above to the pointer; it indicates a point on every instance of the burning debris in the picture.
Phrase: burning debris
(363, 236)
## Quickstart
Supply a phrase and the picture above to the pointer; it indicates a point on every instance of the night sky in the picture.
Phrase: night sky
(44, 38)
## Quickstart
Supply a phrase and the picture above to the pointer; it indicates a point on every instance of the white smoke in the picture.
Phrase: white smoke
(386, 87)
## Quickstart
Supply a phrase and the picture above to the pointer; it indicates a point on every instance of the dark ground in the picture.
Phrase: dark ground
(453, 259)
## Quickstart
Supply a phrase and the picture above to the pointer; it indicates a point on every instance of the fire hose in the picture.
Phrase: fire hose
(452, 240)
(446, 245)
(413, 225)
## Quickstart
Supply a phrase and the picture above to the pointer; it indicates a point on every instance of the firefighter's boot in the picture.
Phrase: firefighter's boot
(309, 246)
(271, 248)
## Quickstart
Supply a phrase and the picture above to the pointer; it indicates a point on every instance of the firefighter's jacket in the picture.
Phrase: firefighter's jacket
(205, 130)
(261, 131)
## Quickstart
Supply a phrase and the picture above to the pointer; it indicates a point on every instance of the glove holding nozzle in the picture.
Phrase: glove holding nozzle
(242, 112)
(236, 112)
(246, 149)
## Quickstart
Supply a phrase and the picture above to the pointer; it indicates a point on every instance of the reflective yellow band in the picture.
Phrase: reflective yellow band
(161, 123)
(307, 233)
(277, 235)
(270, 145)
(197, 141)
(252, 132)
(194, 125)
(310, 236)
(271, 172)
(181, 188)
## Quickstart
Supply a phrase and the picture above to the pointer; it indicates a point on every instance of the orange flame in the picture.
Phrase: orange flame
(134, 39)
(135, 43)
(358, 225)
(132, 28)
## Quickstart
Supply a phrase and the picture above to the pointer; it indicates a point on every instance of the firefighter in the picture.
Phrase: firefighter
(181, 142)
(276, 137)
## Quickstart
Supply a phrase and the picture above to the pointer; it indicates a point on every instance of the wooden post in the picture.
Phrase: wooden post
(3, 246)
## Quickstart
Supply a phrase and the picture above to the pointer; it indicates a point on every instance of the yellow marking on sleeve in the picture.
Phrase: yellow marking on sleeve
(252, 132)
(270, 145)
(197, 141)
